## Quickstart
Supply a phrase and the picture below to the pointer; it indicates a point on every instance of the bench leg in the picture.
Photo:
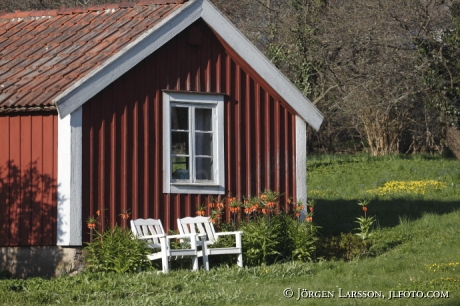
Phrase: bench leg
(164, 256)
(205, 257)
(239, 260)
(195, 263)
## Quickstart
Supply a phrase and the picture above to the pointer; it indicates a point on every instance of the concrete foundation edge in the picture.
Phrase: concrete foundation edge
(41, 261)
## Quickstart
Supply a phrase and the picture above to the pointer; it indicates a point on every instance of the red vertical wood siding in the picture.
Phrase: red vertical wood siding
(122, 132)
(28, 179)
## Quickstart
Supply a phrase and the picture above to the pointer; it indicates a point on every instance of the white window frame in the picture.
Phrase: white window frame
(190, 99)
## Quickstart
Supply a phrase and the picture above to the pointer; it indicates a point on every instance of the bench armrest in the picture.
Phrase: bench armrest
(229, 233)
(181, 236)
(151, 236)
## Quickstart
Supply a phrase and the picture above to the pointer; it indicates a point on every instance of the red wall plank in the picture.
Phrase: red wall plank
(4, 180)
(28, 176)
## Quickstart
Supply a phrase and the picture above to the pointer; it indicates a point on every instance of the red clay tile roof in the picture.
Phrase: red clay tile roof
(42, 53)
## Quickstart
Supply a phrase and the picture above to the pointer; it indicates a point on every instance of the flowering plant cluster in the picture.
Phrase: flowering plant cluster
(93, 221)
(250, 208)
(112, 248)
(414, 187)
(365, 223)
(272, 231)
(443, 267)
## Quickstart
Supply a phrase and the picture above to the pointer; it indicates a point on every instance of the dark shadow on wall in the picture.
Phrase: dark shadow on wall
(28, 205)
(339, 216)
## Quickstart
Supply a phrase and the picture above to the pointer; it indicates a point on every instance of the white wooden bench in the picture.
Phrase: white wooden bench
(206, 236)
(151, 230)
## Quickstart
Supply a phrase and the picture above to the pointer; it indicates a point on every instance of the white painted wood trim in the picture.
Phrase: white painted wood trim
(244, 48)
(129, 56)
(218, 186)
(301, 161)
(69, 216)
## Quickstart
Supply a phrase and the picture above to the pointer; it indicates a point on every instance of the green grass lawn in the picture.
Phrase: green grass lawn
(415, 247)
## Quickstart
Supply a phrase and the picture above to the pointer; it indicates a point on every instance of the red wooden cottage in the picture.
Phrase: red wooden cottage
(151, 107)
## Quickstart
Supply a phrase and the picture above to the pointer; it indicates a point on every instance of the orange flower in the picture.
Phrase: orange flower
(234, 209)
(98, 212)
(309, 219)
(297, 214)
(364, 208)
(91, 225)
(212, 220)
(220, 205)
(311, 208)
(200, 213)
(270, 204)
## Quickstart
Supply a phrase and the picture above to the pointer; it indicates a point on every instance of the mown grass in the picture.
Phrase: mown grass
(418, 250)
(338, 182)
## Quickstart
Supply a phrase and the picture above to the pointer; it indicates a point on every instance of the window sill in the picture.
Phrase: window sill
(196, 188)
(193, 184)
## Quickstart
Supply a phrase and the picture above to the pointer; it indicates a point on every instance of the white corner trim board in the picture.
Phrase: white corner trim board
(301, 159)
(82, 90)
(69, 214)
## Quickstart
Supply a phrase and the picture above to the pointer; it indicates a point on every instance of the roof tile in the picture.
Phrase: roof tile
(126, 4)
(42, 53)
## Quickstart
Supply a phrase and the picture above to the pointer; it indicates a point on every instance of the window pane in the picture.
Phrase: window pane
(179, 143)
(204, 168)
(179, 118)
(203, 119)
(180, 168)
(203, 143)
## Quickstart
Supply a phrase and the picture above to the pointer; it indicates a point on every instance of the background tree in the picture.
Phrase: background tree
(440, 54)
(383, 72)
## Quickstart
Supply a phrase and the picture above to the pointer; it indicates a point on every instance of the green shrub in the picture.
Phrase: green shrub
(261, 240)
(345, 247)
(280, 237)
(5, 274)
(303, 238)
(116, 250)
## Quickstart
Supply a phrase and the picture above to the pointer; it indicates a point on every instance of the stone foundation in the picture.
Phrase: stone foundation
(43, 261)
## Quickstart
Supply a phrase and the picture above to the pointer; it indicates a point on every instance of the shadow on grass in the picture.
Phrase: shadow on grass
(339, 216)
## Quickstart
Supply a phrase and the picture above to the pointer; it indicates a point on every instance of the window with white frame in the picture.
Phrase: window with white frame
(193, 131)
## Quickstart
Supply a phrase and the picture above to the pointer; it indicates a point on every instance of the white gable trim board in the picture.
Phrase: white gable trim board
(69, 104)
(156, 37)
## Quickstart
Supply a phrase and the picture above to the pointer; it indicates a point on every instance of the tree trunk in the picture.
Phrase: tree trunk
(453, 141)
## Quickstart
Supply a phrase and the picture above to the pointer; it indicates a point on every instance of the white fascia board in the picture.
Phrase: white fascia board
(129, 56)
(249, 53)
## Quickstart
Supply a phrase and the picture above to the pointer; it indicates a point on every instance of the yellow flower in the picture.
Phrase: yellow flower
(417, 187)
